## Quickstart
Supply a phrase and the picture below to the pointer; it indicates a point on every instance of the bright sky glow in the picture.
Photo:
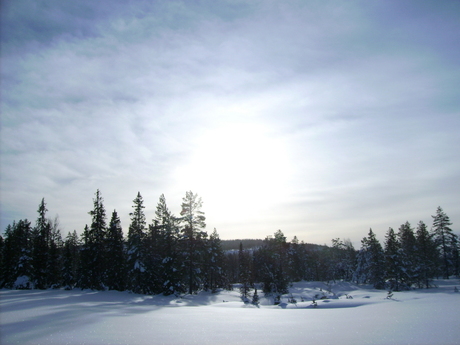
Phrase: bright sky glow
(322, 119)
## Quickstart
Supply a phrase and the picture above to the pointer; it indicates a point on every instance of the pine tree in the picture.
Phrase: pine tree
(193, 239)
(445, 239)
(135, 248)
(116, 261)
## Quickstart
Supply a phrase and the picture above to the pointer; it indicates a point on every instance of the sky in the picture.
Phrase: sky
(319, 118)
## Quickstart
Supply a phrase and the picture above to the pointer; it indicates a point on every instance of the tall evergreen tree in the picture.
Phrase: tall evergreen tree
(135, 247)
(455, 253)
(245, 271)
(193, 238)
(96, 245)
(170, 270)
(371, 262)
(377, 274)
(271, 262)
(341, 261)
(153, 260)
(17, 253)
(116, 261)
(350, 259)
(2, 246)
(8, 253)
(54, 266)
(407, 249)
(426, 256)
(393, 264)
(297, 260)
(41, 248)
(445, 239)
(70, 263)
(361, 271)
(213, 263)
(85, 269)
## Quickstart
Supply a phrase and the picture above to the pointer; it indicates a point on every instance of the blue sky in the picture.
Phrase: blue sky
(319, 118)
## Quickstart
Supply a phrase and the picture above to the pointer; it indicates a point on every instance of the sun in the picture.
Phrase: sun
(240, 168)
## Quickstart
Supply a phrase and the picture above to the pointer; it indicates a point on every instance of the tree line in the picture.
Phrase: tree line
(175, 255)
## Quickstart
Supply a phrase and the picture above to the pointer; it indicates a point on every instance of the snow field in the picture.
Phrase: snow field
(109, 317)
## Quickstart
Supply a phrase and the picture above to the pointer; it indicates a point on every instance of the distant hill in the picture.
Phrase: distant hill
(253, 243)
(235, 244)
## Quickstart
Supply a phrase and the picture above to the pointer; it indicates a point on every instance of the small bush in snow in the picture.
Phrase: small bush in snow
(255, 298)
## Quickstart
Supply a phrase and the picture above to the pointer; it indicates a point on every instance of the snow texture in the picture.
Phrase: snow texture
(344, 314)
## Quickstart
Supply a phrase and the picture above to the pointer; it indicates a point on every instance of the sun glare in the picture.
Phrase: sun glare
(239, 168)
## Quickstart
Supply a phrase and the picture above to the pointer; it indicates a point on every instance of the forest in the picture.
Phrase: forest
(175, 255)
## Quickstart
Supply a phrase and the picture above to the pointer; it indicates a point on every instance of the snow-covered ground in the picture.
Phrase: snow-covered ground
(88, 317)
